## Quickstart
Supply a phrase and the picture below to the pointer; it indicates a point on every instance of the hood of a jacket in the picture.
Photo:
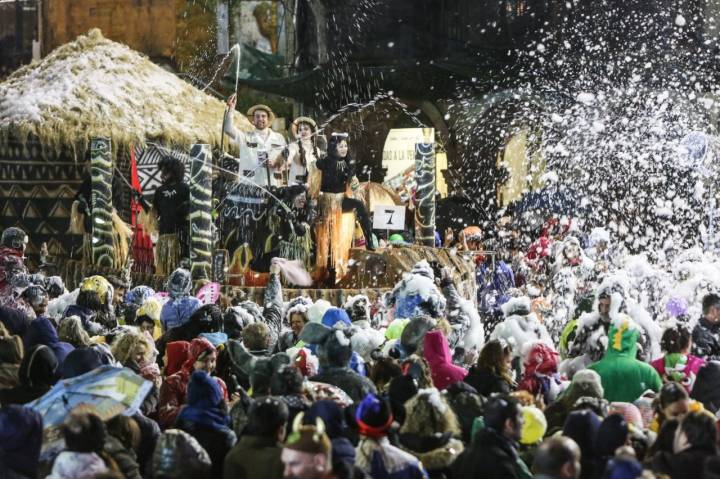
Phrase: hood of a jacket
(541, 359)
(39, 367)
(333, 316)
(436, 348)
(622, 338)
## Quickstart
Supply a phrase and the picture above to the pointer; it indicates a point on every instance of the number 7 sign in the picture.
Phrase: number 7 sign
(389, 218)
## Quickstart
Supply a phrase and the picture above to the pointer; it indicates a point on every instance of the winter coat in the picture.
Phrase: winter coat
(706, 340)
(217, 442)
(20, 441)
(688, 464)
(623, 377)
(490, 456)
(436, 454)
(689, 372)
(41, 331)
(486, 382)
(125, 458)
(205, 418)
(15, 321)
(173, 391)
(11, 353)
(437, 353)
(38, 372)
(177, 312)
(355, 385)
(381, 460)
(707, 386)
(254, 457)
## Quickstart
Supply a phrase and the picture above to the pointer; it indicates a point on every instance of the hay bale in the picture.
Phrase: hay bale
(96, 87)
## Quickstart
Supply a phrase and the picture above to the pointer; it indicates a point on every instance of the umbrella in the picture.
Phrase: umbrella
(106, 391)
(321, 391)
(376, 194)
(209, 293)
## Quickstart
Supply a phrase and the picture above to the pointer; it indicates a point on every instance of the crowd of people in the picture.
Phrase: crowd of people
(575, 360)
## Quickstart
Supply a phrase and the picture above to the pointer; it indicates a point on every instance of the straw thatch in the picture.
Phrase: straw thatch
(96, 87)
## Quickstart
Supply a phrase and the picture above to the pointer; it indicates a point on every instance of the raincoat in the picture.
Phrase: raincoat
(173, 391)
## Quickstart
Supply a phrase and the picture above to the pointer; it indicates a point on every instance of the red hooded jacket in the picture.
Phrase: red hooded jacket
(173, 391)
(437, 353)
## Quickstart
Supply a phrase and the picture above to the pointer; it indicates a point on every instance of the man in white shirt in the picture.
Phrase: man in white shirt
(246, 205)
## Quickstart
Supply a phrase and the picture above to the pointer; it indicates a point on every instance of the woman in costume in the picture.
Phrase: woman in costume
(302, 154)
(168, 216)
(335, 234)
(290, 235)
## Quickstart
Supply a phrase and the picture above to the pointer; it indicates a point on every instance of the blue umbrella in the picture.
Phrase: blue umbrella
(106, 391)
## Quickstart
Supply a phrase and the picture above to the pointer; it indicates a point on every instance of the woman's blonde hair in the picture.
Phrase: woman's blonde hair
(71, 331)
(124, 346)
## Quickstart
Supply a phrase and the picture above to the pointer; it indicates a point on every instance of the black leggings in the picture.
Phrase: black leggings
(351, 204)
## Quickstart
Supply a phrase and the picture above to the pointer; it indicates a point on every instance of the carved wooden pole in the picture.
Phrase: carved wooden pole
(200, 212)
(425, 194)
(101, 167)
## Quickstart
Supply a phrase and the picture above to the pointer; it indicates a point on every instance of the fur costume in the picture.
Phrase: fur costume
(417, 293)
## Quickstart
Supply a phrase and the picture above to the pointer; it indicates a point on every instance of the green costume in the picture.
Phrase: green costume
(623, 377)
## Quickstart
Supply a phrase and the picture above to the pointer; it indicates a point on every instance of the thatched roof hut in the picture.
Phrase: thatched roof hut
(96, 87)
(50, 109)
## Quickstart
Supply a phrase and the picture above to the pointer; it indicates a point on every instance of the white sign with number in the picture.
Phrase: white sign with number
(389, 218)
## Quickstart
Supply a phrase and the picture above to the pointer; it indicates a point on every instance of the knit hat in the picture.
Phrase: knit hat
(14, 237)
(534, 426)
(629, 412)
(373, 417)
(582, 427)
(317, 310)
(586, 382)
(308, 439)
(333, 316)
(331, 415)
(138, 295)
(179, 283)
(54, 286)
(612, 434)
